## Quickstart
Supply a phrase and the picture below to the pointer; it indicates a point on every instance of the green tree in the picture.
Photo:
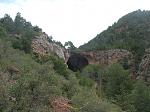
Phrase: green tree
(69, 45)
(118, 81)
(37, 29)
(140, 97)
(118, 86)
(59, 66)
(19, 23)
(2, 31)
(8, 23)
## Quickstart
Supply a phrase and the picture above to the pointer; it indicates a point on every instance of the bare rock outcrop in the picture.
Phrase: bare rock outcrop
(106, 57)
(144, 67)
(42, 46)
(61, 104)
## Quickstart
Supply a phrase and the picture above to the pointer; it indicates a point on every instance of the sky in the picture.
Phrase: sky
(72, 20)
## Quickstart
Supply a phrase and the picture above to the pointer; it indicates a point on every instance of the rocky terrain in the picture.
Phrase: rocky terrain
(42, 46)
(100, 75)
(106, 57)
(144, 67)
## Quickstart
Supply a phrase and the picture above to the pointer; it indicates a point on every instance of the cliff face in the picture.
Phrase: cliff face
(42, 47)
(144, 67)
(106, 57)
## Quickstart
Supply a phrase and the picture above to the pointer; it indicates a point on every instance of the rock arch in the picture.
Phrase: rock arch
(78, 61)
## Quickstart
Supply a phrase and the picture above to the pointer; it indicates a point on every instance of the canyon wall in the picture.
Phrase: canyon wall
(144, 67)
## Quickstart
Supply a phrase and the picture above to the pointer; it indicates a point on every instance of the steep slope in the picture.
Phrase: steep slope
(42, 46)
(144, 67)
(131, 32)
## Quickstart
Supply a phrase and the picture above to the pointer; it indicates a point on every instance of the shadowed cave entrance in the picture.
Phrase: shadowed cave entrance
(77, 62)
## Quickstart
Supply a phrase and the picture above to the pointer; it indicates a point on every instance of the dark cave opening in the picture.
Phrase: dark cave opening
(77, 62)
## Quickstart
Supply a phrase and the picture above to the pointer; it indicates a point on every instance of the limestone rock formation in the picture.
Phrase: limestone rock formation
(144, 67)
(103, 58)
(42, 46)
(106, 57)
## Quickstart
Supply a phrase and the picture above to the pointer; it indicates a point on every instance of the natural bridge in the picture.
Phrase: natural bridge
(76, 61)
(104, 58)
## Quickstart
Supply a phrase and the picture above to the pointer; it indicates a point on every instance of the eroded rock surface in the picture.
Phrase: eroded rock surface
(144, 67)
(106, 57)
(42, 46)
(60, 104)
(103, 58)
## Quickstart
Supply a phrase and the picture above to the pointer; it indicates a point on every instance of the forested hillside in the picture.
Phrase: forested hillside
(29, 83)
(131, 32)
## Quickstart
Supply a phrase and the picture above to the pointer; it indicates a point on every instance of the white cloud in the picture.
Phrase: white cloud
(75, 20)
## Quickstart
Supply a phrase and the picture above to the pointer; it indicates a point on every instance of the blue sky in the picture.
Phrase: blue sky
(72, 20)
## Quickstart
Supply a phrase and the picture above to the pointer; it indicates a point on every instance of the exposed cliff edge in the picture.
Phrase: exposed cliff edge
(42, 46)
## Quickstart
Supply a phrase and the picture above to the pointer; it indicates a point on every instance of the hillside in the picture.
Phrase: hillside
(131, 32)
(35, 78)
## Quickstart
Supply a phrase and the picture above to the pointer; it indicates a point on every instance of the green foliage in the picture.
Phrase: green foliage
(29, 83)
(8, 23)
(86, 82)
(131, 32)
(35, 90)
(20, 30)
(118, 87)
(71, 87)
(118, 81)
(140, 97)
(124, 62)
(69, 45)
(37, 29)
(59, 66)
(31, 86)
(2, 32)
(58, 43)
(19, 23)
(87, 101)
(22, 44)
(92, 71)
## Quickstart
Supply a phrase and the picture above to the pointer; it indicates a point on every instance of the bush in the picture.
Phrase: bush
(140, 97)
(118, 81)
(59, 66)
(87, 101)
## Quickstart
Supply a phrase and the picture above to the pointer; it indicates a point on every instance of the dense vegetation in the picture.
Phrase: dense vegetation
(28, 84)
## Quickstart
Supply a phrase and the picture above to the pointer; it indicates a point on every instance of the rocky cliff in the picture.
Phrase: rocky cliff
(106, 57)
(42, 46)
(144, 67)
(103, 58)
